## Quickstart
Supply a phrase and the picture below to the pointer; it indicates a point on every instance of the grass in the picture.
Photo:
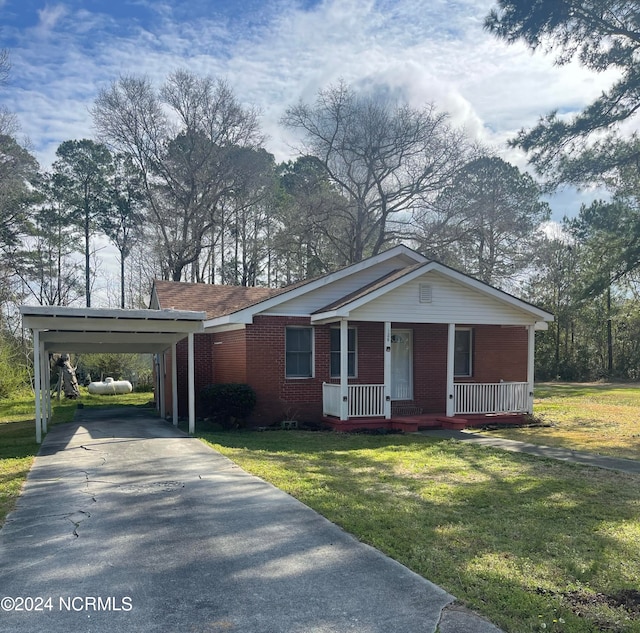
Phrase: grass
(17, 436)
(526, 542)
(600, 418)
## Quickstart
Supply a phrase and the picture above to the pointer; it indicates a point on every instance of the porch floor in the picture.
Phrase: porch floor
(424, 421)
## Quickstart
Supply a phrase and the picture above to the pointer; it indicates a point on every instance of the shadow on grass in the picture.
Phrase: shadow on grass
(509, 534)
(17, 439)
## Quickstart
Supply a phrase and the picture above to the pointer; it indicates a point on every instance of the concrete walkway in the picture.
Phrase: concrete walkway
(126, 524)
(631, 466)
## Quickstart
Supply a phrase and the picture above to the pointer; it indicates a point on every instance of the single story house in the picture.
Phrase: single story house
(394, 340)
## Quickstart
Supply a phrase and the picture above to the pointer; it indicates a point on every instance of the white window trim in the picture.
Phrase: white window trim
(470, 374)
(313, 351)
(355, 368)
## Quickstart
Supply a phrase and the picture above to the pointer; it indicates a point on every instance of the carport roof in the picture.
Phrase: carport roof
(84, 330)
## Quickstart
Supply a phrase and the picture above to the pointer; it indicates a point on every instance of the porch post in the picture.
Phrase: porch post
(387, 370)
(192, 385)
(451, 346)
(344, 369)
(161, 371)
(531, 366)
(174, 382)
(37, 383)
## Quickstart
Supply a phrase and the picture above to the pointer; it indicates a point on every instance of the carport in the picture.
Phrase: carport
(95, 330)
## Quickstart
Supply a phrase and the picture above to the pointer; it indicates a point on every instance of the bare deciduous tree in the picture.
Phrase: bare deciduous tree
(382, 156)
(181, 138)
(8, 121)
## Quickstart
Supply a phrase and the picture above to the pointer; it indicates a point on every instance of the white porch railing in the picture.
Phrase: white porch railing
(364, 401)
(495, 397)
(330, 399)
(368, 400)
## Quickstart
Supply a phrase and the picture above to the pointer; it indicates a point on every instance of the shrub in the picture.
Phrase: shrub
(14, 374)
(133, 367)
(228, 404)
(144, 387)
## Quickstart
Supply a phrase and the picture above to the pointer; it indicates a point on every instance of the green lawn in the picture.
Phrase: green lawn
(532, 544)
(601, 418)
(17, 436)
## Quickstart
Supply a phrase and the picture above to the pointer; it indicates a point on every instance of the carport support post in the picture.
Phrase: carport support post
(37, 382)
(47, 366)
(44, 377)
(161, 372)
(192, 385)
(174, 382)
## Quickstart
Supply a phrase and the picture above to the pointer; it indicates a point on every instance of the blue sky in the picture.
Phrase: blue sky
(275, 52)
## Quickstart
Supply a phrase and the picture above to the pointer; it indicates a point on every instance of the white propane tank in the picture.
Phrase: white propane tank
(110, 386)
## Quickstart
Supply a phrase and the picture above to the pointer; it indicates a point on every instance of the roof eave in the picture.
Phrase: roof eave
(235, 318)
(330, 316)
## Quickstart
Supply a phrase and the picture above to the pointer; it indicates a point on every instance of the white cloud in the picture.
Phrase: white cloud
(428, 52)
(49, 17)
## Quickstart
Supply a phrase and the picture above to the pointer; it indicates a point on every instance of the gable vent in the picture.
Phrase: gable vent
(425, 293)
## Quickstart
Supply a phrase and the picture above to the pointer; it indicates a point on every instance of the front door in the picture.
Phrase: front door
(401, 364)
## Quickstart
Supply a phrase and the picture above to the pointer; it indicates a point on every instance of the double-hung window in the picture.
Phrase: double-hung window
(299, 352)
(462, 364)
(335, 352)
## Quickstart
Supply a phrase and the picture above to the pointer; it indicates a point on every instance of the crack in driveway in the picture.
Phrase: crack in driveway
(77, 520)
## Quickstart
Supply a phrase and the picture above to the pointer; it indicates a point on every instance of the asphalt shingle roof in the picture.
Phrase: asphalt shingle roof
(215, 300)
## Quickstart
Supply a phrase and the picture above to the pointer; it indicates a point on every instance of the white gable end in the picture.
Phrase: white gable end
(332, 291)
(435, 298)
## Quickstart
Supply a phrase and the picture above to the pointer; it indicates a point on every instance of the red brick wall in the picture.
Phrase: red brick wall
(370, 353)
(230, 356)
(203, 362)
(301, 398)
(429, 366)
(499, 353)
(277, 396)
(370, 346)
(256, 356)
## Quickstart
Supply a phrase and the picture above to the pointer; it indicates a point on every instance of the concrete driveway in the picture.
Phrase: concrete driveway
(127, 524)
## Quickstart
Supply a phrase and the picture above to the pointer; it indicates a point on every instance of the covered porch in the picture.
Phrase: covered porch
(420, 357)
(437, 341)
